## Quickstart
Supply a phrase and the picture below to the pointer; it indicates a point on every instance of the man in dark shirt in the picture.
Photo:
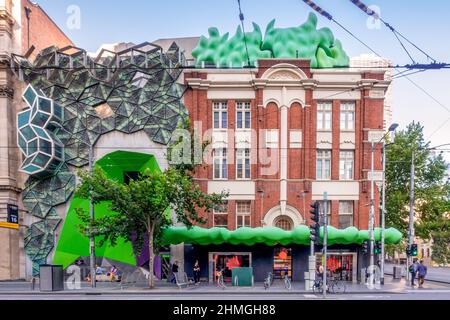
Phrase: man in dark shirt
(422, 272)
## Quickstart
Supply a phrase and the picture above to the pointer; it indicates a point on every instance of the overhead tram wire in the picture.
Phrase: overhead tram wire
(397, 34)
(249, 66)
(325, 14)
(433, 66)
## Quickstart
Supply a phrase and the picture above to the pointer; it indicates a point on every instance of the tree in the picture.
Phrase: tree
(432, 190)
(141, 209)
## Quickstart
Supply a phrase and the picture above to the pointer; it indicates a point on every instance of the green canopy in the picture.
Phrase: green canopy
(271, 236)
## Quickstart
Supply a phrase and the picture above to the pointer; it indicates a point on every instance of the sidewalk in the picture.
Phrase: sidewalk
(24, 288)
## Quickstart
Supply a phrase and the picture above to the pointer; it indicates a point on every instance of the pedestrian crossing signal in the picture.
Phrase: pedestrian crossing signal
(365, 247)
(377, 247)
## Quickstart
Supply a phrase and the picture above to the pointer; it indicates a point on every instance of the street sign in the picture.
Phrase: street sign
(13, 214)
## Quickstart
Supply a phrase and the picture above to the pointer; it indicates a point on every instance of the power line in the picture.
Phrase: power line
(431, 66)
(372, 13)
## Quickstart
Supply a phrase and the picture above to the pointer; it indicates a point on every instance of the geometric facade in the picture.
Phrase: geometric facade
(73, 99)
(42, 150)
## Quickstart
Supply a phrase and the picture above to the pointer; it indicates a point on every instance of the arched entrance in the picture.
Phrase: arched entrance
(282, 255)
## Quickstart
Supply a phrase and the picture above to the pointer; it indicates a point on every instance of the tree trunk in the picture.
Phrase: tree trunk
(151, 279)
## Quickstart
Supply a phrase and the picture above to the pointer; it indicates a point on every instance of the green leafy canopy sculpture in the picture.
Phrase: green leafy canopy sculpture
(305, 41)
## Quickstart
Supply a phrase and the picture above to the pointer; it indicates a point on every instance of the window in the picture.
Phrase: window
(243, 214)
(243, 164)
(220, 213)
(348, 116)
(322, 210)
(324, 116)
(220, 163)
(220, 115)
(284, 223)
(345, 214)
(243, 115)
(346, 162)
(323, 165)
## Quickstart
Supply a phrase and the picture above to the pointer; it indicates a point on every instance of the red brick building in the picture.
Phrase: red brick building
(281, 135)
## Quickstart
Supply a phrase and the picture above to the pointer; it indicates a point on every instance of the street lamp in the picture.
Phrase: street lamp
(392, 128)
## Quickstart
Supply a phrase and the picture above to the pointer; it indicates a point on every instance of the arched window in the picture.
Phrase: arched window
(284, 223)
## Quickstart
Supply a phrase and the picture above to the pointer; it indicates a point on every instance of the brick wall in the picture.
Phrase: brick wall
(43, 30)
(301, 162)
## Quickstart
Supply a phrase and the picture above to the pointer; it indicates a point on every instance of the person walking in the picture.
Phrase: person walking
(421, 272)
(174, 271)
(413, 271)
(196, 271)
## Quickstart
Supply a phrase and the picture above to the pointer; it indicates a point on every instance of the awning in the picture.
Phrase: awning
(272, 236)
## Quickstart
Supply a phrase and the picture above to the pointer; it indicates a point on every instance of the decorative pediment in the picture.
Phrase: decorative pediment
(284, 75)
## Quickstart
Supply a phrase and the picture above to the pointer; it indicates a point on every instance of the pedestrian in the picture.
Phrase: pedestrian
(413, 271)
(196, 272)
(174, 271)
(421, 272)
(113, 273)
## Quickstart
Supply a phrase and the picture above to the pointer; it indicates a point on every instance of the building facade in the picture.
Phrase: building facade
(283, 128)
(23, 25)
(283, 134)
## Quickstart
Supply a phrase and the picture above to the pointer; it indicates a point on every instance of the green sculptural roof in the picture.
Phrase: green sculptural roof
(271, 236)
(304, 41)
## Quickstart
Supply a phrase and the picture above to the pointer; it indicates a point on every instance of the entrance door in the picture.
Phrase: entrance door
(282, 263)
(226, 261)
(339, 265)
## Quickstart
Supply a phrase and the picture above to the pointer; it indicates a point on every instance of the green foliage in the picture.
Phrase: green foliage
(142, 204)
(441, 250)
(305, 41)
(432, 192)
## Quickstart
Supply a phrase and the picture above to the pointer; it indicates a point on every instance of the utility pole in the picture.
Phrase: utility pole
(383, 214)
(91, 211)
(411, 231)
(372, 207)
(325, 238)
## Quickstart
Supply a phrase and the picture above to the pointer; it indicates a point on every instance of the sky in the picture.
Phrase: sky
(425, 23)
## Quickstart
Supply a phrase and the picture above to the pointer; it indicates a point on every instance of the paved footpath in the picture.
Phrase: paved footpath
(433, 273)
(22, 290)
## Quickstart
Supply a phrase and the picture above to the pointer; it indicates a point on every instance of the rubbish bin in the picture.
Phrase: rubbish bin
(397, 272)
(51, 278)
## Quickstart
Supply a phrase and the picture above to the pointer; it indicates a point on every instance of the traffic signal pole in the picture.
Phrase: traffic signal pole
(411, 230)
(325, 238)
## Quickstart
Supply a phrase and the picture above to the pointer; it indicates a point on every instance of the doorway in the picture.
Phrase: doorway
(342, 266)
(226, 261)
(282, 263)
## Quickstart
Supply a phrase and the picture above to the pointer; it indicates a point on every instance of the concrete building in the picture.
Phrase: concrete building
(23, 25)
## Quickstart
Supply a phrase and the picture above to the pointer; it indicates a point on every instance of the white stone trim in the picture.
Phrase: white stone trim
(275, 212)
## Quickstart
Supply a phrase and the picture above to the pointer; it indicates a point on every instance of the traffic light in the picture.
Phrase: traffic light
(377, 247)
(315, 226)
(365, 247)
(411, 251)
(414, 250)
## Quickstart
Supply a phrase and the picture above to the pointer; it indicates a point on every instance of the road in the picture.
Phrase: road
(433, 273)
(432, 294)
